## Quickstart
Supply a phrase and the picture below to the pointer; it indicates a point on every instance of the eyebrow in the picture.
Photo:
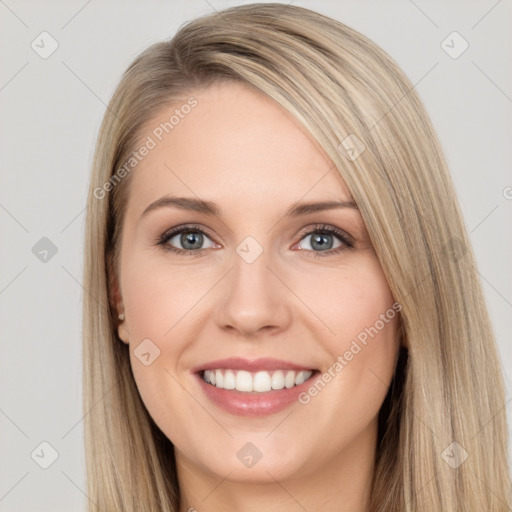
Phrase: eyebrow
(210, 208)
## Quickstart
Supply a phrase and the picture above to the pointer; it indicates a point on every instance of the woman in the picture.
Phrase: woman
(283, 308)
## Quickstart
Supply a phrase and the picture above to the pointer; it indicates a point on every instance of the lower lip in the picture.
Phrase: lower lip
(242, 403)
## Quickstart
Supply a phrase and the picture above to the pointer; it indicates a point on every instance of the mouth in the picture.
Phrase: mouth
(255, 382)
(259, 387)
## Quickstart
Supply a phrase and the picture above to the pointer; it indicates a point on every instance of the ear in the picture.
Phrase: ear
(116, 306)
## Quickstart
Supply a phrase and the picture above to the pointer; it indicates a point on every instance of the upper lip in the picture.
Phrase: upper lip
(250, 365)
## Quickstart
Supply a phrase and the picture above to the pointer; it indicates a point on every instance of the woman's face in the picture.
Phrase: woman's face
(271, 290)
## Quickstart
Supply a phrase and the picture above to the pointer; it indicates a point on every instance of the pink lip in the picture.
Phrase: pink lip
(250, 365)
(255, 403)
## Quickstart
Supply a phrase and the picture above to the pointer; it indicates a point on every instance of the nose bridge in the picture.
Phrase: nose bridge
(250, 266)
(250, 278)
(252, 298)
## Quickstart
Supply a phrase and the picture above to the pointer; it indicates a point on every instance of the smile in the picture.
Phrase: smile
(253, 387)
(259, 382)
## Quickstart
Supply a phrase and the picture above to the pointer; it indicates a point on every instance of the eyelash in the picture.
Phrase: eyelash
(194, 228)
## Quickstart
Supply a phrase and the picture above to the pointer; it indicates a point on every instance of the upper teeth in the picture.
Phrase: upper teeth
(262, 381)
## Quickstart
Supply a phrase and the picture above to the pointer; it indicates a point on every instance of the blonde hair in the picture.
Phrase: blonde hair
(352, 98)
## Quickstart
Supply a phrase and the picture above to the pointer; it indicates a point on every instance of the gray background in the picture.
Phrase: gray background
(51, 111)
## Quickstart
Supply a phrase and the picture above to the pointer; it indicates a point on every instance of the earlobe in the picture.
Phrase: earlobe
(122, 334)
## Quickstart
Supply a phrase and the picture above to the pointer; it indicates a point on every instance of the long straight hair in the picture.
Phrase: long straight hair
(442, 438)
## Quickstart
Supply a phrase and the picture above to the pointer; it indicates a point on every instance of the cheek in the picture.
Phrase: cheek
(157, 299)
(347, 299)
(358, 308)
(160, 306)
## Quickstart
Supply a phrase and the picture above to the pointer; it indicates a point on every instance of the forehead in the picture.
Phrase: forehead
(234, 146)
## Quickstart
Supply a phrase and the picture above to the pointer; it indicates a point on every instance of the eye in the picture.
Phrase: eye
(321, 241)
(190, 237)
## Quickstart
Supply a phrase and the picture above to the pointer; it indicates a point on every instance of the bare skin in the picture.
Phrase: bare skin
(242, 151)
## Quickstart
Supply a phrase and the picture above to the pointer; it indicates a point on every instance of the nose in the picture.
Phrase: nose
(254, 299)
